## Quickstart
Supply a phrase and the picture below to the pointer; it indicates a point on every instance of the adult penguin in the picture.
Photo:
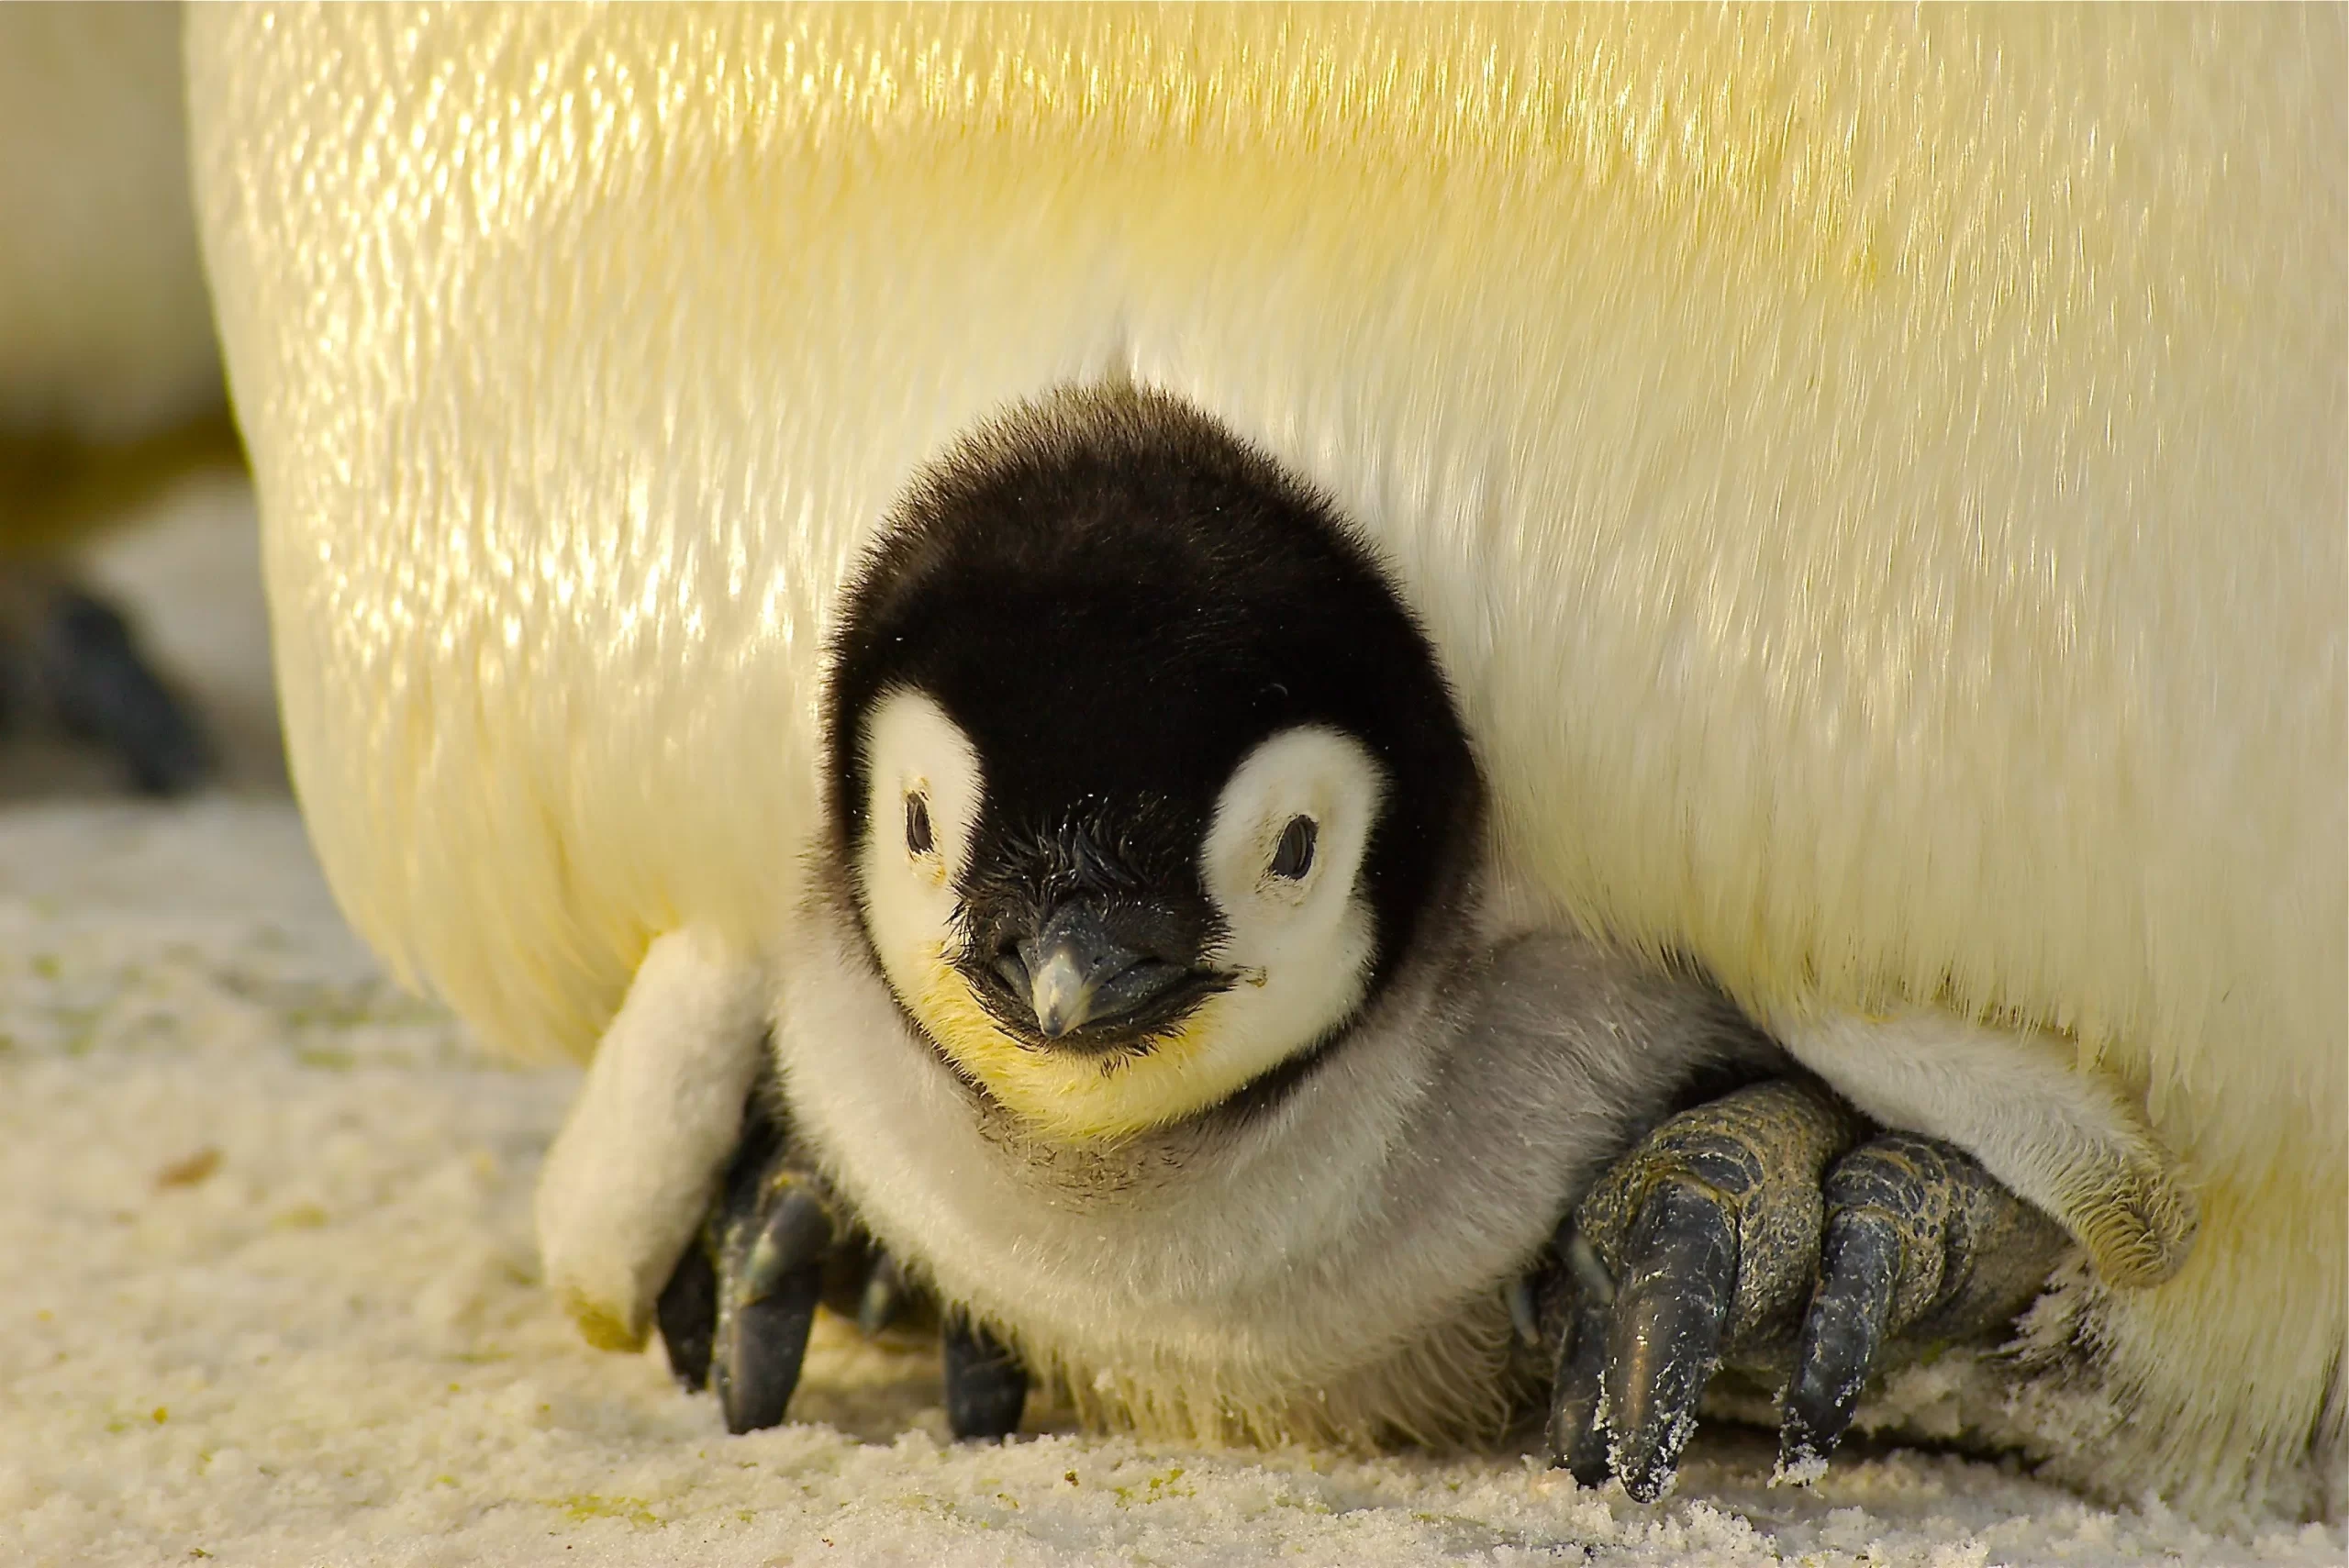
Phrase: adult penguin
(1872, 478)
(1163, 1012)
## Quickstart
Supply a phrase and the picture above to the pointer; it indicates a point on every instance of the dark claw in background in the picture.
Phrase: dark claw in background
(986, 1385)
(89, 667)
(884, 1299)
(1587, 1315)
(688, 1314)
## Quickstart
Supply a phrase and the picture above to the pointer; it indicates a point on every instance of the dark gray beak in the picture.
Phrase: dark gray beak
(1074, 973)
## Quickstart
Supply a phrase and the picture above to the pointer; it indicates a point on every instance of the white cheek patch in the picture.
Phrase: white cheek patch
(911, 747)
(1302, 946)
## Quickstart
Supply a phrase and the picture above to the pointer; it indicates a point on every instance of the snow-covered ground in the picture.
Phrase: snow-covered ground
(267, 1290)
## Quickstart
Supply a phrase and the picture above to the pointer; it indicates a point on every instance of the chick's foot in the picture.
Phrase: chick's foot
(1774, 1228)
(777, 1245)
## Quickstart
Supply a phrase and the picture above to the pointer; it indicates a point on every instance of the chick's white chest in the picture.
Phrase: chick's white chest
(1346, 1248)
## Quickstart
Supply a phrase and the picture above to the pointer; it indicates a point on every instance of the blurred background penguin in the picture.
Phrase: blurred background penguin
(110, 384)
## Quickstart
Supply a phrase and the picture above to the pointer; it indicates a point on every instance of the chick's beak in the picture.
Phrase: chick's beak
(1075, 973)
(1061, 991)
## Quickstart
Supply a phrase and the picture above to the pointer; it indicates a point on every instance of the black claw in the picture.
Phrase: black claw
(884, 1299)
(1666, 1341)
(775, 1246)
(768, 1305)
(104, 690)
(1577, 1425)
(986, 1385)
(1524, 1319)
(688, 1314)
(1844, 1331)
(1917, 1237)
(1576, 1304)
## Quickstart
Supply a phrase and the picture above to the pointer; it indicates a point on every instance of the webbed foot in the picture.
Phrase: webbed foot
(1775, 1227)
(777, 1244)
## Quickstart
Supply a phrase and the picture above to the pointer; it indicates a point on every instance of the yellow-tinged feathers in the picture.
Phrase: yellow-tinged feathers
(1074, 1098)
(1874, 475)
(1295, 952)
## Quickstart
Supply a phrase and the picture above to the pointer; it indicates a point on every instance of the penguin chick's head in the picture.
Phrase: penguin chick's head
(1142, 779)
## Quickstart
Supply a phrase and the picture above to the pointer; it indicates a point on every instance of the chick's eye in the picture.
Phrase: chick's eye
(1294, 858)
(918, 837)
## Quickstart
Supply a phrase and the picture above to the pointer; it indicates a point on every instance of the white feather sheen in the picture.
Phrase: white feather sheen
(1875, 478)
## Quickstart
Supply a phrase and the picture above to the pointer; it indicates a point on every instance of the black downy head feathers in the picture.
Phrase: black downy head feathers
(1116, 600)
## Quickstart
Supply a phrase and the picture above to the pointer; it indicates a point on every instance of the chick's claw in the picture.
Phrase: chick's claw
(768, 1291)
(687, 1315)
(1710, 1230)
(1752, 1230)
(776, 1245)
(986, 1386)
(885, 1298)
(1585, 1315)
(1919, 1241)
(736, 1313)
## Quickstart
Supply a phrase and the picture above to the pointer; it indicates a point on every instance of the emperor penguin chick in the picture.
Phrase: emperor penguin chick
(1159, 1015)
